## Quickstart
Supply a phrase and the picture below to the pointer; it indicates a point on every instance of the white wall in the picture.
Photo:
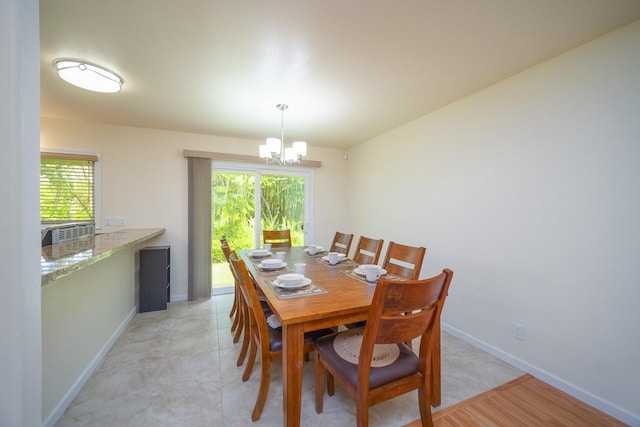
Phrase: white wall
(19, 247)
(144, 178)
(529, 191)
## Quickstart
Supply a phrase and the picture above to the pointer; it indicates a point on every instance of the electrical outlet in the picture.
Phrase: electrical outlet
(518, 331)
(121, 221)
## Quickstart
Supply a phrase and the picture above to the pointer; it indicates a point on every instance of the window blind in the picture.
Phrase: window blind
(67, 187)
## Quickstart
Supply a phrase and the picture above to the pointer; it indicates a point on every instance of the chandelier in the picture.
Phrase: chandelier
(274, 150)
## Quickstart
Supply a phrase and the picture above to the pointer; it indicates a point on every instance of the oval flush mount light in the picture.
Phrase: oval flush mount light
(88, 76)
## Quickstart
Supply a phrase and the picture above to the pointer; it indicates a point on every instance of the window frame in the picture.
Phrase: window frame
(97, 205)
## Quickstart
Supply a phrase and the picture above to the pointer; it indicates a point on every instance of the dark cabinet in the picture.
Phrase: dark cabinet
(155, 273)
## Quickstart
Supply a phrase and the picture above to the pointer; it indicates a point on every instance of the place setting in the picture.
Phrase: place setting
(334, 258)
(271, 265)
(314, 250)
(256, 254)
(295, 284)
(367, 273)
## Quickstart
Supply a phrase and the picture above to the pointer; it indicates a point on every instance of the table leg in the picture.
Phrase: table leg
(292, 349)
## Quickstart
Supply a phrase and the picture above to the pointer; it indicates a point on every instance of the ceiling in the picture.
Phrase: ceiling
(348, 69)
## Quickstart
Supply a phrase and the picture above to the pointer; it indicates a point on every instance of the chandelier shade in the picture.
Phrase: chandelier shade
(274, 150)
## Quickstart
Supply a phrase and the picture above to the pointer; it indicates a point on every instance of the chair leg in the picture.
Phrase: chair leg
(319, 383)
(234, 305)
(424, 400)
(241, 321)
(331, 387)
(362, 415)
(253, 348)
(234, 325)
(237, 296)
(246, 338)
(265, 382)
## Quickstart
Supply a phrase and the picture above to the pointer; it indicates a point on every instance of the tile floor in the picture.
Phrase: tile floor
(178, 368)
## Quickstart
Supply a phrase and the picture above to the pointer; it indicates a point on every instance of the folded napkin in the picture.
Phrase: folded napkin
(273, 321)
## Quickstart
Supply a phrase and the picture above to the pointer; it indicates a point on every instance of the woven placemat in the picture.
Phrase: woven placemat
(281, 293)
(347, 345)
(342, 263)
(269, 272)
(317, 254)
(364, 280)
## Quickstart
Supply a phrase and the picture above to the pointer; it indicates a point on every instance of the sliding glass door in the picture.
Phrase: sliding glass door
(246, 200)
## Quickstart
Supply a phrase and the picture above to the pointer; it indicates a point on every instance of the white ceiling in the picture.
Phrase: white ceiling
(348, 69)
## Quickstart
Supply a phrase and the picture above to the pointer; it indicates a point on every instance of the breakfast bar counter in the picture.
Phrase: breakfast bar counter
(62, 259)
(89, 295)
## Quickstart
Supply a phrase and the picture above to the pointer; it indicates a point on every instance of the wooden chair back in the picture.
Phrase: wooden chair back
(277, 238)
(226, 250)
(266, 341)
(239, 310)
(404, 261)
(256, 316)
(341, 243)
(258, 331)
(368, 250)
(401, 310)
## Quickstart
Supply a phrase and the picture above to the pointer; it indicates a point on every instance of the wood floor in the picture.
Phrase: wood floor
(525, 401)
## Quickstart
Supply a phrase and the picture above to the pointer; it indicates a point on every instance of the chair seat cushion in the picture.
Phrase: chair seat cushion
(265, 308)
(406, 364)
(275, 337)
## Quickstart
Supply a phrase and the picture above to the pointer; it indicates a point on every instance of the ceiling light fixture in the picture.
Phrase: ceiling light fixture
(88, 76)
(274, 150)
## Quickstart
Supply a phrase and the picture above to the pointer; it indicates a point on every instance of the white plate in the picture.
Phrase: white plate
(304, 282)
(361, 273)
(259, 253)
(270, 261)
(290, 278)
(318, 249)
(273, 266)
(341, 257)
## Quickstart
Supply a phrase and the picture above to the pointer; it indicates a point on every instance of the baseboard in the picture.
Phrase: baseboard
(175, 298)
(62, 406)
(222, 290)
(575, 391)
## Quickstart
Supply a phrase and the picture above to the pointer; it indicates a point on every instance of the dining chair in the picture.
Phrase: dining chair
(382, 367)
(264, 339)
(341, 243)
(404, 261)
(277, 238)
(368, 250)
(240, 323)
(238, 320)
(226, 251)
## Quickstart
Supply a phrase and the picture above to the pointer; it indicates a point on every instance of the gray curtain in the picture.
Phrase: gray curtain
(199, 228)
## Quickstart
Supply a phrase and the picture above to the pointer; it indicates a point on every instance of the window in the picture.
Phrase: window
(246, 199)
(68, 187)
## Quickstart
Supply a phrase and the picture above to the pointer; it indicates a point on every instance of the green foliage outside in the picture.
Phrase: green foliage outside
(66, 190)
(233, 210)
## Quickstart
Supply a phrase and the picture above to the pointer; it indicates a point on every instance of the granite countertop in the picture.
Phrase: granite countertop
(62, 259)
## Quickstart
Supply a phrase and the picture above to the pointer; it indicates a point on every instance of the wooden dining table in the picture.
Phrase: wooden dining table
(343, 300)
